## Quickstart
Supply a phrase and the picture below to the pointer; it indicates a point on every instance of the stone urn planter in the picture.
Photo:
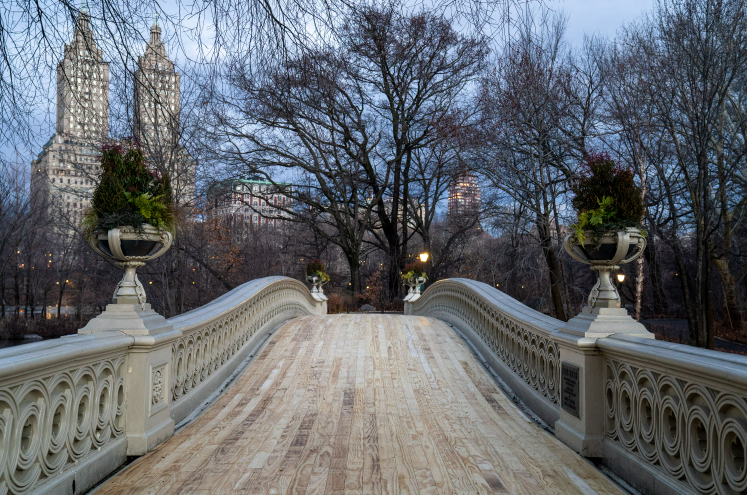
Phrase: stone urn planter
(610, 250)
(130, 248)
(413, 283)
(316, 287)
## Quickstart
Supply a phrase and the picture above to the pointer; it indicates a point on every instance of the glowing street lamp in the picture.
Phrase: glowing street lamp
(621, 277)
(423, 257)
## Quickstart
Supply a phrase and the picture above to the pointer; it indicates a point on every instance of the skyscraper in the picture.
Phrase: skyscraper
(67, 165)
(464, 195)
(156, 119)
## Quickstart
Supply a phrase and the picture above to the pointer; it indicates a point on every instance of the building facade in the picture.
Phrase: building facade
(156, 116)
(257, 203)
(67, 167)
(464, 195)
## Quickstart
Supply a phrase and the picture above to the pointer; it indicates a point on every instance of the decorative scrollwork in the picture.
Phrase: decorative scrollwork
(528, 353)
(694, 433)
(157, 393)
(52, 421)
(205, 348)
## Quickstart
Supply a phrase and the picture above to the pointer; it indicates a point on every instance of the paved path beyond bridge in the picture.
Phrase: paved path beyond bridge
(362, 404)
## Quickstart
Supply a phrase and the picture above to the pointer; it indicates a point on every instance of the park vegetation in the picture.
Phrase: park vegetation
(365, 128)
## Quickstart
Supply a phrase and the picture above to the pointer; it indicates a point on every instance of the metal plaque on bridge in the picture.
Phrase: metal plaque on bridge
(569, 374)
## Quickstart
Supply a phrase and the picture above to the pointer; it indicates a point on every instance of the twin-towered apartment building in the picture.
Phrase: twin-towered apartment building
(68, 167)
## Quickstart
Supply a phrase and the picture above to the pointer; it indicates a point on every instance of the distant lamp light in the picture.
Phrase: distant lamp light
(621, 277)
(423, 257)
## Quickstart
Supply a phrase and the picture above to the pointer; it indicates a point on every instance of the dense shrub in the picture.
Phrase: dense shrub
(128, 193)
(412, 270)
(606, 196)
(316, 267)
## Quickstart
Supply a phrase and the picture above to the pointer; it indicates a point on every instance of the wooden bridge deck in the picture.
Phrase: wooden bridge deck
(362, 404)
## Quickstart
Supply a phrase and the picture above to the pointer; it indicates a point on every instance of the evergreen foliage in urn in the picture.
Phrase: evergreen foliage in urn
(128, 193)
(412, 271)
(606, 198)
(316, 268)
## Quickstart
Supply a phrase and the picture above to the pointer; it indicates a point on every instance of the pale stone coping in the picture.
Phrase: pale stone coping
(230, 301)
(502, 301)
(39, 356)
(701, 364)
(490, 303)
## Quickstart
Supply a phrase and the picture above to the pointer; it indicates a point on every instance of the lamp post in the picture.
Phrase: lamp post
(423, 258)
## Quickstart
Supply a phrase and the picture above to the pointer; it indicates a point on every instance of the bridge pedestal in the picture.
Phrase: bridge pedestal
(603, 322)
(581, 422)
(582, 412)
(147, 400)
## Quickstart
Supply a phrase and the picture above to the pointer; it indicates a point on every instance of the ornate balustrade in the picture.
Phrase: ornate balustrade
(667, 418)
(676, 412)
(217, 337)
(515, 340)
(62, 411)
(72, 409)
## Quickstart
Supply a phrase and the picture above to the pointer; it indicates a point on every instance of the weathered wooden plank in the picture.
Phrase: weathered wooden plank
(369, 404)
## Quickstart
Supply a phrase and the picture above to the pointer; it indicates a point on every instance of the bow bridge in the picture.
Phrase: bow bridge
(260, 391)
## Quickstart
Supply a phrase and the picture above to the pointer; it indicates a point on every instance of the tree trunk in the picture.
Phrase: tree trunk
(710, 337)
(2, 293)
(394, 275)
(554, 268)
(355, 276)
(638, 288)
(59, 298)
(661, 305)
(733, 316)
(17, 292)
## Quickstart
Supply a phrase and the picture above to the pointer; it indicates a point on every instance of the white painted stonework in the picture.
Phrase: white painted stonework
(73, 409)
(667, 418)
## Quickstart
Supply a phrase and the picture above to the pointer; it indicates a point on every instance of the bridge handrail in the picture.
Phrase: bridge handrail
(666, 417)
(72, 409)
(62, 404)
(519, 336)
(676, 411)
(212, 334)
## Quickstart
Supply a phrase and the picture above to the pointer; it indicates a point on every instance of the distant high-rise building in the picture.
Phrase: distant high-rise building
(254, 202)
(464, 195)
(83, 87)
(67, 166)
(156, 119)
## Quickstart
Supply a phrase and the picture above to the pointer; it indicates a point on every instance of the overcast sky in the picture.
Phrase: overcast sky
(602, 17)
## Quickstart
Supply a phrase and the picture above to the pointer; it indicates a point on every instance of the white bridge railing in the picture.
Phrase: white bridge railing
(516, 341)
(72, 409)
(667, 418)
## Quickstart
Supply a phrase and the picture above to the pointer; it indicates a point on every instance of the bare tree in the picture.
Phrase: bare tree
(696, 56)
(529, 155)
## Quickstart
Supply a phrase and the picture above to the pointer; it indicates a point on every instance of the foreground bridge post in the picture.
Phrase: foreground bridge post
(582, 411)
(147, 406)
